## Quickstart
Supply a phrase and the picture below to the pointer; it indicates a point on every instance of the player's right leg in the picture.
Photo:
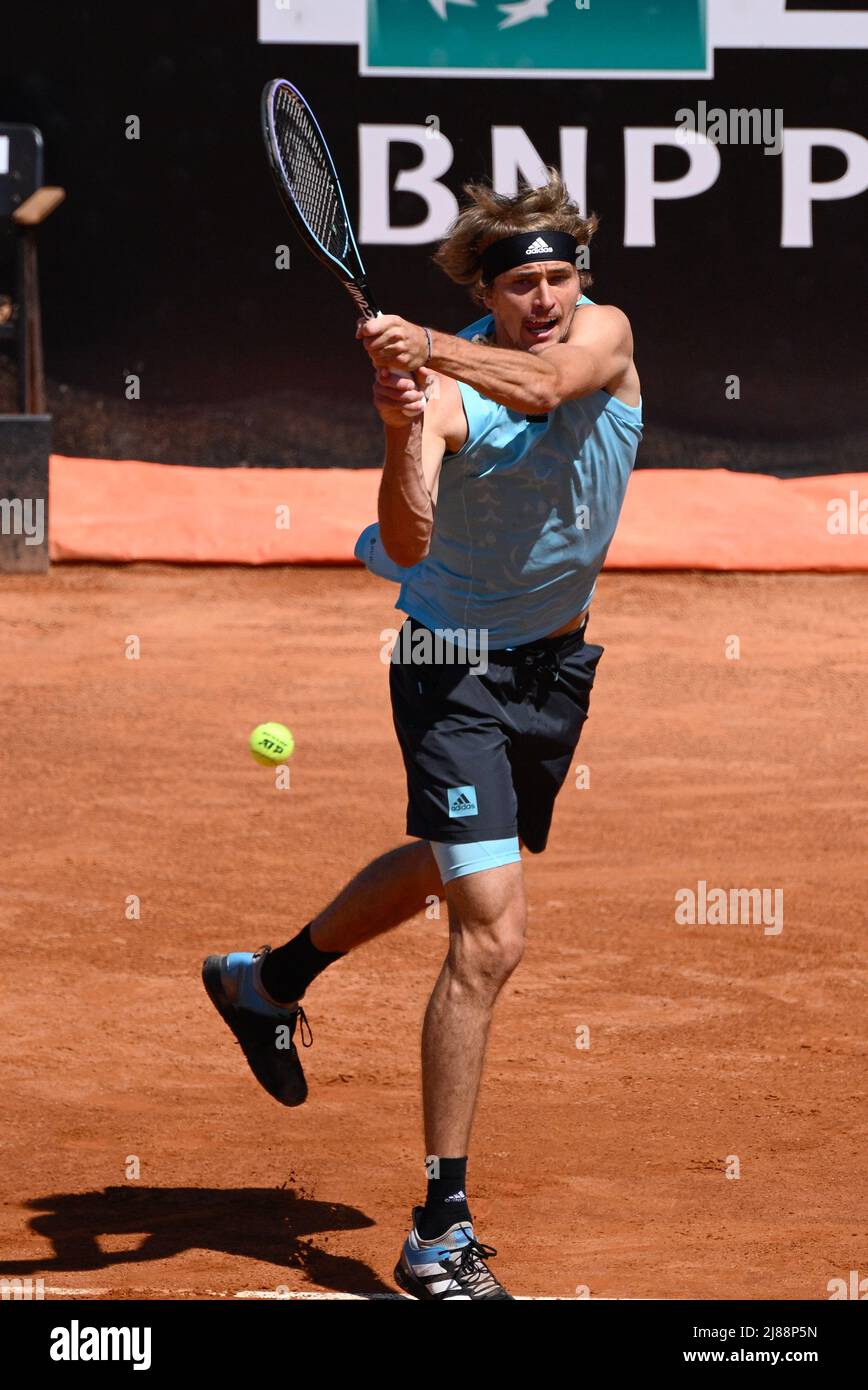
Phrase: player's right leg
(441, 1258)
(487, 920)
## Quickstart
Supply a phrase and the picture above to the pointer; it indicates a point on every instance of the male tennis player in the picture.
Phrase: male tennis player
(500, 494)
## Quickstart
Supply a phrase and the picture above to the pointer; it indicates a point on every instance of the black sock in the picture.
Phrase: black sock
(446, 1202)
(287, 972)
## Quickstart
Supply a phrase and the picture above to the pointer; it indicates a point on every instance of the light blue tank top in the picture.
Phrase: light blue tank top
(525, 514)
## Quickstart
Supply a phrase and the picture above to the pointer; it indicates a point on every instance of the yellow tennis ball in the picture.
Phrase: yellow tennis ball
(271, 744)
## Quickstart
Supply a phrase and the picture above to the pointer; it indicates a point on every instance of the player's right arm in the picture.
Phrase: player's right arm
(416, 441)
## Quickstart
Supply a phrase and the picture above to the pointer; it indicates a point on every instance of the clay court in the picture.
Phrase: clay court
(599, 1168)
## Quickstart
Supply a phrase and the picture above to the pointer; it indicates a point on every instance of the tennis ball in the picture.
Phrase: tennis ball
(271, 744)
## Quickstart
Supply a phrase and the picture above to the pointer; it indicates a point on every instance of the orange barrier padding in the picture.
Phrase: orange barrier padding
(672, 519)
(105, 510)
(718, 520)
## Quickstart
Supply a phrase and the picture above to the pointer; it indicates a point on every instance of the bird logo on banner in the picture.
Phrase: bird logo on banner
(522, 11)
(439, 6)
(516, 13)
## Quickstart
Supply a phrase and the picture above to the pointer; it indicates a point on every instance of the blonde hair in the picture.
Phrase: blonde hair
(490, 216)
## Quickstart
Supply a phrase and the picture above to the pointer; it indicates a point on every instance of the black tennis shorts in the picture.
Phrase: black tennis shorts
(487, 753)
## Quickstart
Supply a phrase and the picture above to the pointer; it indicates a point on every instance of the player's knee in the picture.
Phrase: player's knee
(482, 964)
(509, 950)
(486, 949)
(499, 954)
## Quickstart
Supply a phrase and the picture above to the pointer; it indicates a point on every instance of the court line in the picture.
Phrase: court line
(300, 1294)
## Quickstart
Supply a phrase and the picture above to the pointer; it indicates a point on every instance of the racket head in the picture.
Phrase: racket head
(309, 187)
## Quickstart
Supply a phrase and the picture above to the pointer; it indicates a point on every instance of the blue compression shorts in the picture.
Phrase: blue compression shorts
(454, 861)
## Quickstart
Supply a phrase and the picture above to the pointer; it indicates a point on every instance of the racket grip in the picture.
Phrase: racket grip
(399, 376)
(416, 376)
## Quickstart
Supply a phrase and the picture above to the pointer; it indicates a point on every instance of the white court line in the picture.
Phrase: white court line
(308, 1295)
(366, 1298)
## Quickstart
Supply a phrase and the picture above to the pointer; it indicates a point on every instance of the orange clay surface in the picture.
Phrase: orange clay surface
(602, 1167)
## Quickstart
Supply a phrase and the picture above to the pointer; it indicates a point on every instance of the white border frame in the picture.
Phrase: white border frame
(532, 74)
(729, 24)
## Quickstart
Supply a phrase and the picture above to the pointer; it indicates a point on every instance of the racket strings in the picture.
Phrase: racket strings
(309, 176)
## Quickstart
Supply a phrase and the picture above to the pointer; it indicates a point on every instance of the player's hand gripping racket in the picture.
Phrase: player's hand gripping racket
(308, 184)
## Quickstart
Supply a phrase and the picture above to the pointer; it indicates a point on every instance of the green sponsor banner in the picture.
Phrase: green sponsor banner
(537, 35)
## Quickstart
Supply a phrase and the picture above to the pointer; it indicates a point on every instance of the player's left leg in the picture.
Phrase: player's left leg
(257, 993)
(387, 892)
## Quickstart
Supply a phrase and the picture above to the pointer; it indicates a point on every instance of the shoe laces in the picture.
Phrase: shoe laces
(302, 1024)
(470, 1270)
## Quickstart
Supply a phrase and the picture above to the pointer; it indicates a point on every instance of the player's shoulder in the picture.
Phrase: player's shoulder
(444, 412)
(480, 329)
(597, 319)
(603, 313)
(442, 390)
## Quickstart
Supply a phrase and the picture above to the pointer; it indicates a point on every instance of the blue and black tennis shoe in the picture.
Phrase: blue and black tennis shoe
(452, 1266)
(264, 1029)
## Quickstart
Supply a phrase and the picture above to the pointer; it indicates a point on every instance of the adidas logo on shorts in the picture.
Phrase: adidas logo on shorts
(538, 248)
(462, 802)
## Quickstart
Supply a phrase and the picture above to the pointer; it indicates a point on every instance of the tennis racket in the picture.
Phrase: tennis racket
(311, 192)
(310, 189)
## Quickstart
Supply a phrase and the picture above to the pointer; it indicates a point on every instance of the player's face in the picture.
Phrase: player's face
(533, 305)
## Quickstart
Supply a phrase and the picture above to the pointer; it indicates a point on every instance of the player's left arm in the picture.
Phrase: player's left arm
(596, 354)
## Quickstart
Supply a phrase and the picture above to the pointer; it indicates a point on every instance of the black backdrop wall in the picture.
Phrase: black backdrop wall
(162, 260)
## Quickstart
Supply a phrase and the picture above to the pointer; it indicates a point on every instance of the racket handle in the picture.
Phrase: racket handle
(369, 309)
(399, 376)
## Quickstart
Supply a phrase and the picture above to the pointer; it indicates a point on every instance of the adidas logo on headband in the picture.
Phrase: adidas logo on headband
(538, 248)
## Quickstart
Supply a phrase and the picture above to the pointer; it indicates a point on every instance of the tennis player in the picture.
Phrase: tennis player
(508, 449)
